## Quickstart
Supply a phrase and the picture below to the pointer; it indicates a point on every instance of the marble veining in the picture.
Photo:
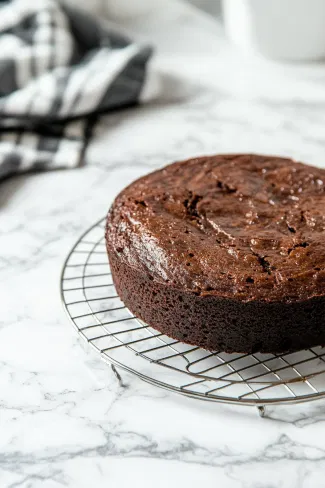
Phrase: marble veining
(65, 421)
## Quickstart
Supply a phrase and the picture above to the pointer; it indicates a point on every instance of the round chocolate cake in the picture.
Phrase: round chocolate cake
(225, 252)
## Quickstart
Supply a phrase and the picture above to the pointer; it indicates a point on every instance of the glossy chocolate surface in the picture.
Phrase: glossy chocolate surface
(247, 227)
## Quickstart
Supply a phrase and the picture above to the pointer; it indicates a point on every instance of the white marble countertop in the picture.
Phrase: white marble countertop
(64, 419)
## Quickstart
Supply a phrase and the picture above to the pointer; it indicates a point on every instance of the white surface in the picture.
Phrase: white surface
(64, 420)
(281, 29)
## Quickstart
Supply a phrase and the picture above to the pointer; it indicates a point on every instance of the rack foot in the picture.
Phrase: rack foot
(261, 410)
(118, 376)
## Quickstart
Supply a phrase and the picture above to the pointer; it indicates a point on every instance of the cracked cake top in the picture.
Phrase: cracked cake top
(242, 226)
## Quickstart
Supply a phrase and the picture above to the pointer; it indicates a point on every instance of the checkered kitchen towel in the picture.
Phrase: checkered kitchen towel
(58, 70)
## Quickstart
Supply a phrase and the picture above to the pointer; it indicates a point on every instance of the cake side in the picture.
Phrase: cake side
(216, 323)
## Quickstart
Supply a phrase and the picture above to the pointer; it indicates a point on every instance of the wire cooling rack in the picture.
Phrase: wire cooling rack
(122, 340)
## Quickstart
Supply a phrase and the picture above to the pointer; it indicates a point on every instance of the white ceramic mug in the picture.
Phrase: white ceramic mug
(280, 29)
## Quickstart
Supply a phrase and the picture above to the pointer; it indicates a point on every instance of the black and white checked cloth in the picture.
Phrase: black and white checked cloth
(59, 69)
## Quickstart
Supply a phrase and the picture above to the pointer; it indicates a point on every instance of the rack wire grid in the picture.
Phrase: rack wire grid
(123, 340)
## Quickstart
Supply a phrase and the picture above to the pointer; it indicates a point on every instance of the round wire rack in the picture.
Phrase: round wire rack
(122, 340)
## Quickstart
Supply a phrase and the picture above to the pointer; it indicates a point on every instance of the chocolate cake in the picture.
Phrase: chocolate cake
(225, 252)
